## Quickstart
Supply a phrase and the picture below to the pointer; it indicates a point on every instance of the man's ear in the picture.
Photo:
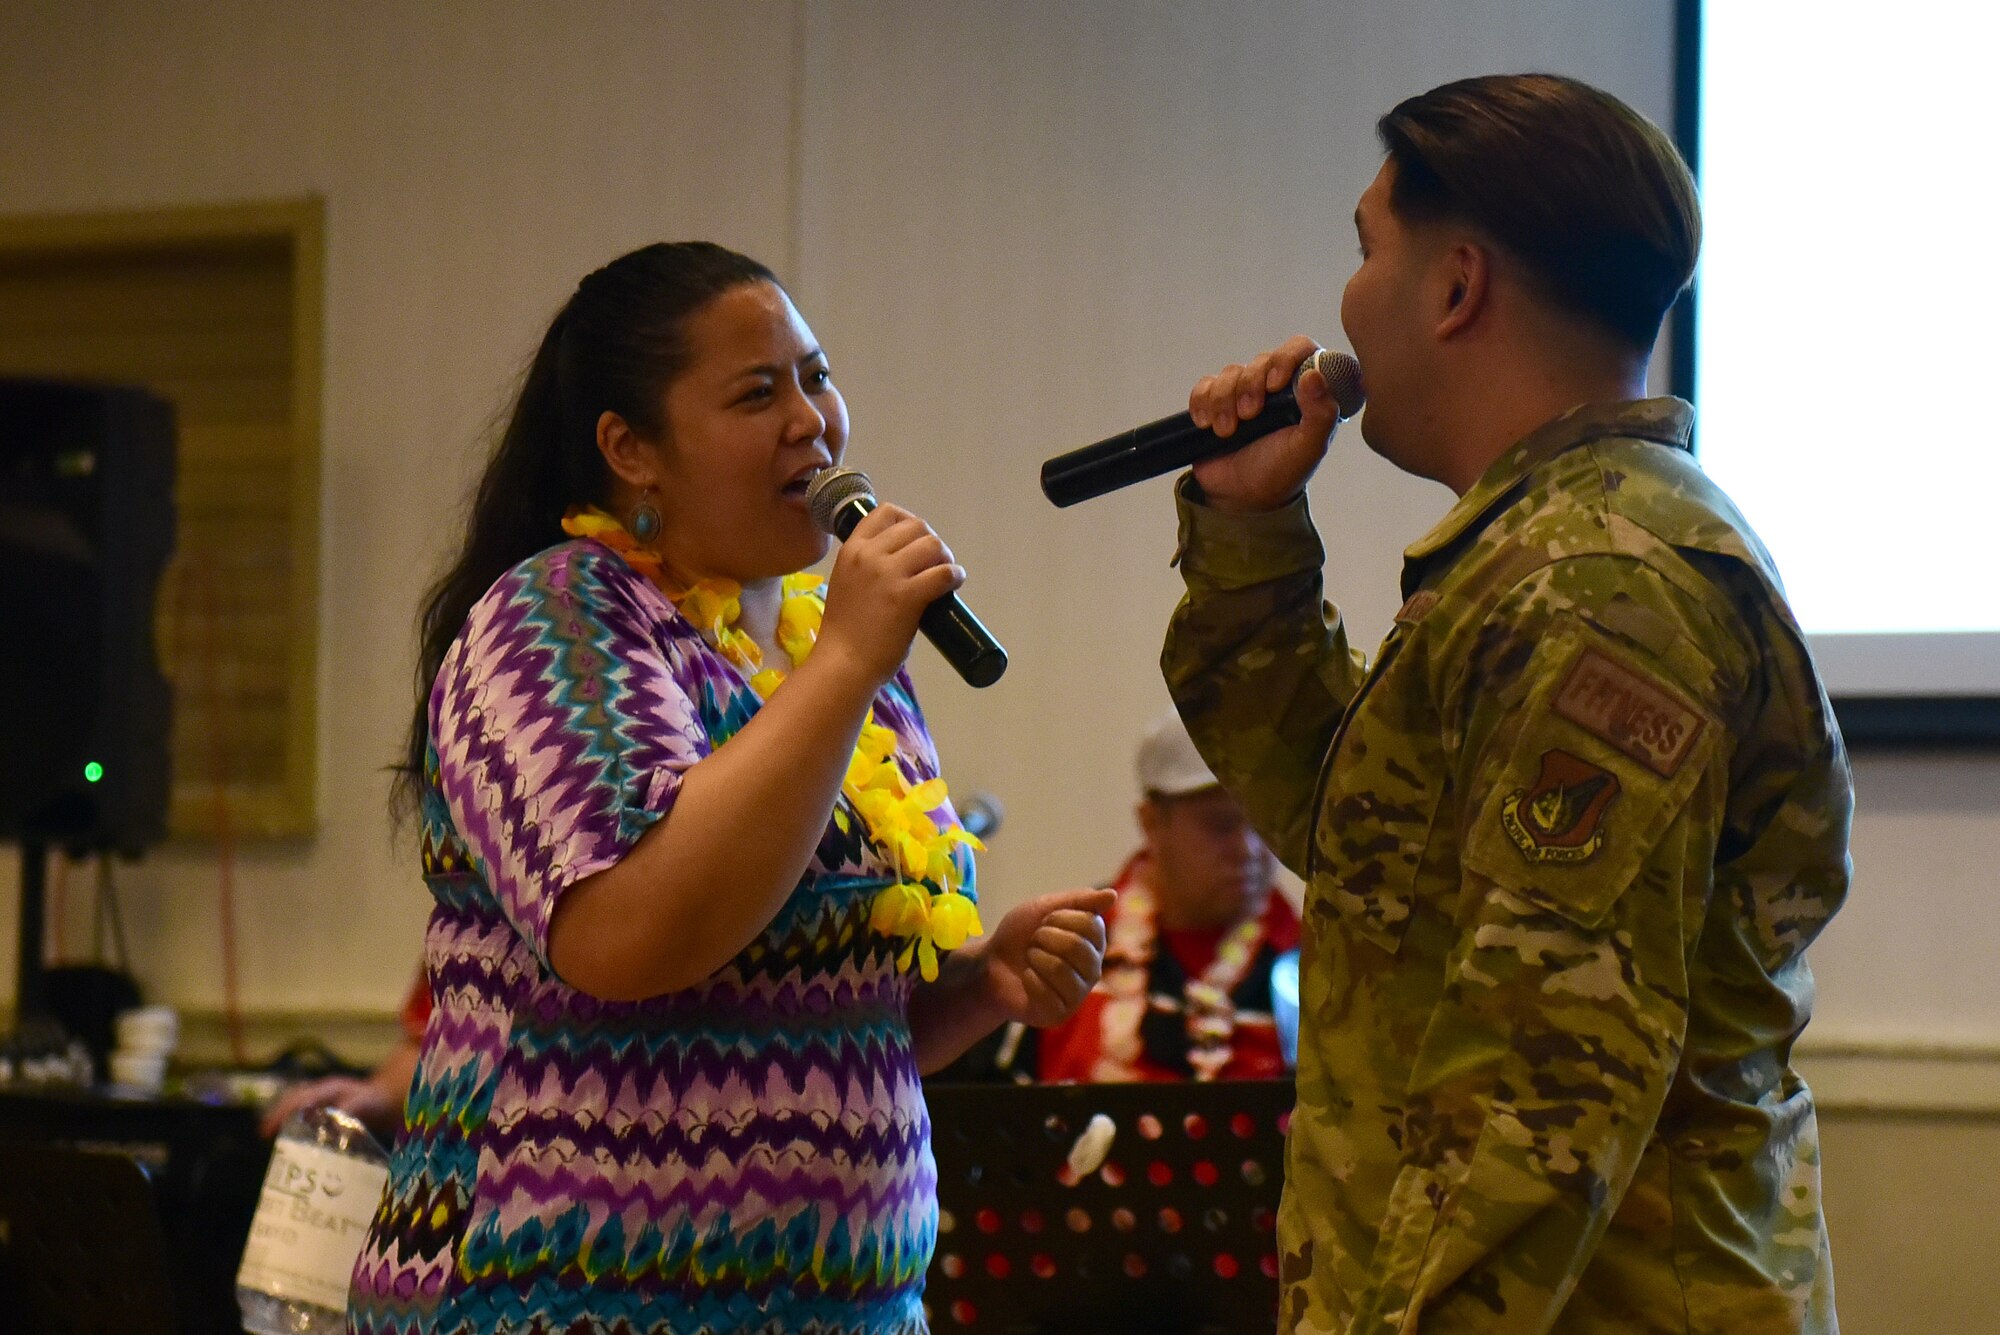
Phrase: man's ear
(632, 459)
(1152, 818)
(1468, 278)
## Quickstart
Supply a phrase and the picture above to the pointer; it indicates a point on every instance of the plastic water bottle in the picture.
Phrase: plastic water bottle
(326, 1177)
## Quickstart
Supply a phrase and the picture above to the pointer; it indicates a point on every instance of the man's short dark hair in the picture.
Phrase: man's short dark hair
(1585, 192)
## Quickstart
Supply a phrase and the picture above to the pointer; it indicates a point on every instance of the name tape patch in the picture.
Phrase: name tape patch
(1421, 604)
(1630, 711)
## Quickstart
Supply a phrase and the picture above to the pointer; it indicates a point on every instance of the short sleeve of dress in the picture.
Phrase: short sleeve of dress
(561, 731)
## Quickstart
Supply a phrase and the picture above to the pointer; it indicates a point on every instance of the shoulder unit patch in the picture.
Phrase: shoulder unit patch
(1561, 817)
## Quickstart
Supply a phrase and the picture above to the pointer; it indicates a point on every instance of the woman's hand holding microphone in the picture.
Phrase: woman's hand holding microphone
(891, 567)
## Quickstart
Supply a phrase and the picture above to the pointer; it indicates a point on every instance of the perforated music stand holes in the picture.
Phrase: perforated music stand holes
(1172, 1232)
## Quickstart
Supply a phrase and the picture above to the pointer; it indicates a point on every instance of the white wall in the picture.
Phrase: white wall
(1016, 227)
(1029, 226)
(1910, 960)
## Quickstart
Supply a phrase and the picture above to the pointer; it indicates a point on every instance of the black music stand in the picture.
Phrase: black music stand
(1174, 1235)
(203, 1168)
(81, 1250)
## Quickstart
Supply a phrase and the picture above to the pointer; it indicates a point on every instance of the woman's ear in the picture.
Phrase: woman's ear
(632, 459)
(1468, 274)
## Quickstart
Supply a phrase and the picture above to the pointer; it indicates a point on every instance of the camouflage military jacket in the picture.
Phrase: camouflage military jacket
(1565, 840)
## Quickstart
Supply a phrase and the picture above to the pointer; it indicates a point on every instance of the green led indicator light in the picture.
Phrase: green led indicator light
(93, 771)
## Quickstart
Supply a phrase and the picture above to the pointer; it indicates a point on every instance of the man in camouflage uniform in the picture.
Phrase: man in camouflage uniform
(1567, 837)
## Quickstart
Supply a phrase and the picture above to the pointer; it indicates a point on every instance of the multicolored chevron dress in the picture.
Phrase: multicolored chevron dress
(749, 1154)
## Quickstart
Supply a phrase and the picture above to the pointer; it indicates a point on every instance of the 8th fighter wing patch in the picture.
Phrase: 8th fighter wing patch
(1560, 818)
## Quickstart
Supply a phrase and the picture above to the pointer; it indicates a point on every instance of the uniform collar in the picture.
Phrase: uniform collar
(1667, 421)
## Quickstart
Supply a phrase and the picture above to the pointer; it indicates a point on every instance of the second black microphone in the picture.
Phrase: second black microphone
(839, 499)
(1172, 443)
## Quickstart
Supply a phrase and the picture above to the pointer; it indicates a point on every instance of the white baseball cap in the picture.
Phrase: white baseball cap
(1168, 764)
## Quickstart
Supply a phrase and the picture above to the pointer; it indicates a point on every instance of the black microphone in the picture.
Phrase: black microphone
(1175, 442)
(838, 498)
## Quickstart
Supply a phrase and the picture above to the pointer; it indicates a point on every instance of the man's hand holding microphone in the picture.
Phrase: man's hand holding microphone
(1271, 402)
(1268, 472)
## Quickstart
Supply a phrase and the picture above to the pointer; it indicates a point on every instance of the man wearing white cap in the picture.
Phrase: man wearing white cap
(1186, 990)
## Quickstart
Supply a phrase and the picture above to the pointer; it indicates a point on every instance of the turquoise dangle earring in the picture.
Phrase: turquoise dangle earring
(645, 525)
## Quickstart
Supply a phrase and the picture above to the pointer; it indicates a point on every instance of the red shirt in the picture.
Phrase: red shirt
(1131, 1027)
(417, 1007)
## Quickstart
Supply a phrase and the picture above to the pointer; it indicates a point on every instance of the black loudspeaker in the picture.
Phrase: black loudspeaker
(86, 527)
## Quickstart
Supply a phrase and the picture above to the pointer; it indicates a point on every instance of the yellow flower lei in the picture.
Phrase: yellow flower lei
(925, 905)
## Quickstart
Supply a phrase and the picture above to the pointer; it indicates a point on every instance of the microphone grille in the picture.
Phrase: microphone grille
(981, 814)
(832, 488)
(1343, 379)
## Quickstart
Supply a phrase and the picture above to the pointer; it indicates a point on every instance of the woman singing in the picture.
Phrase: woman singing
(702, 902)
